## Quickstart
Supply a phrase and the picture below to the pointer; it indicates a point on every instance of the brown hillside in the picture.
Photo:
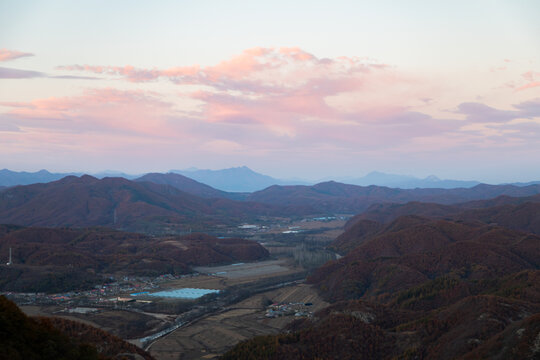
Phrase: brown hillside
(519, 213)
(364, 330)
(189, 186)
(421, 288)
(334, 197)
(392, 261)
(117, 202)
(24, 338)
(54, 260)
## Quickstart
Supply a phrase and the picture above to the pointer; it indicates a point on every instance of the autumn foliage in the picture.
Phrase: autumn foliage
(53, 260)
(422, 287)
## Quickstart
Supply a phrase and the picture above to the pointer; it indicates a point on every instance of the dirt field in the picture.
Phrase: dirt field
(332, 229)
(230, 275)
(215, 334)
(257, 270)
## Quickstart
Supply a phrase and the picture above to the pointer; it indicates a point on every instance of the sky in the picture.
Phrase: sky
(303, 89)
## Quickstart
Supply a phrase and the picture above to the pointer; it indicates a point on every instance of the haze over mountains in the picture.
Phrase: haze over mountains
(12, 178)
(237, 179)
(243, 179)
(407, 182)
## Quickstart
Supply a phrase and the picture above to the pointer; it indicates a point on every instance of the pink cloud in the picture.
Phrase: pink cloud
(529, 86)
(6, 55)
(128, 71)
(256, 68)
(278, 89)
(97, 110)
(281, 90)
(532, 78)
(296, 53)
(267, 100)
(110, 121)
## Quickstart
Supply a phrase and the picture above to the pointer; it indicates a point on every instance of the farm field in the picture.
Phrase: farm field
(247, 271)
(209, 337)
(130, 324)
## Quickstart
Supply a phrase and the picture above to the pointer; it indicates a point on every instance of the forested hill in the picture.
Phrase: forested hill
(55, 260)
(423, 288)
(120, 203)
(25, 338)
(334, 197)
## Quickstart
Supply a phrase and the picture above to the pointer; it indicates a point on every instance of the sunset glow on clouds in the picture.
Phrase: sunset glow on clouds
(6, 55)
(286, 110)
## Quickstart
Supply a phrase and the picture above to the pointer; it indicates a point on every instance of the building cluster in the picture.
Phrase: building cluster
(288, 309)
(110, 292)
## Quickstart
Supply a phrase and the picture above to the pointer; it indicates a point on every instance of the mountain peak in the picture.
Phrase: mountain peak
(234, 179)
(408, 182)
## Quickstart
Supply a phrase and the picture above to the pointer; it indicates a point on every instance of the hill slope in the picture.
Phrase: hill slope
(519, 213)
(150, 207)
(55, 339)
(120, 203)
(419, 288)
(189, 186)
(504, 328)
(54, 260)
(411, 251)
(336, 197)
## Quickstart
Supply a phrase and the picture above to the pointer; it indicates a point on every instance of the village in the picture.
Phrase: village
(298, 309)
(114, 293)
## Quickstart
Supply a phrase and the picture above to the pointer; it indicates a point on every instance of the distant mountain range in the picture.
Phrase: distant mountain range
(408, 182)
(12, 178)
(238, 179)
(244, 180)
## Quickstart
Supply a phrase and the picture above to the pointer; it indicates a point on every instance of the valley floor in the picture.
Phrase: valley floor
(212, 335)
